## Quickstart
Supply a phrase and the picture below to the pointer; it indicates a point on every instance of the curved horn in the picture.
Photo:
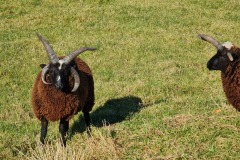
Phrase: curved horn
(51, 54)
(76, 79)
(74, 54)
(44, 72)
(210, 39)
(230, 56)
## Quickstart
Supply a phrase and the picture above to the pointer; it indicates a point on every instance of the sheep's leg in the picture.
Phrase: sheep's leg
(87, 122)
(63, 128)
(44, 123)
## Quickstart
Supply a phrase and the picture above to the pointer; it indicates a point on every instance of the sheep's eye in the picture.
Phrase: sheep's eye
(66, 72)
(51, 72)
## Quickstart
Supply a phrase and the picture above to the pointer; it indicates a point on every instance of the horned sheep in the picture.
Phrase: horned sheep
(64, 87)
(227, 60)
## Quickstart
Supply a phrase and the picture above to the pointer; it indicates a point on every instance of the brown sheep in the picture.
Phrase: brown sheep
(63, 88)
(227, 61)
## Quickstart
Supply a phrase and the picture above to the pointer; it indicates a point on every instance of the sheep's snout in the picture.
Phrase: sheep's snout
(59, 83)
(59, 86)
(211, 65)
(218, 62)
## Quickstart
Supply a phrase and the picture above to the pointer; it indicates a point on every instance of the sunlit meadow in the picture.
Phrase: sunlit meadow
(155, 98)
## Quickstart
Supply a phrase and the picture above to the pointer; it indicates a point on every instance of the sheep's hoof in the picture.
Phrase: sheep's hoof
(89, 132)
(40, 144)
(63, 144)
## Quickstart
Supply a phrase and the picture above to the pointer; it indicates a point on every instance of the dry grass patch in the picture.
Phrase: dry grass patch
(100, 146)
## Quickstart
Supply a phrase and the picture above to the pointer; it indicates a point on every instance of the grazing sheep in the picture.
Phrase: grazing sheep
(227, 60)
(63, 88)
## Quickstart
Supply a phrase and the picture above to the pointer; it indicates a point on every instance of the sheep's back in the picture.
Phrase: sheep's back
(54, 104)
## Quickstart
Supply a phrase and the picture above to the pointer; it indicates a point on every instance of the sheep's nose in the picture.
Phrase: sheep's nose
(59, 86)
(209, 66)
(212, 65)
(58, 83)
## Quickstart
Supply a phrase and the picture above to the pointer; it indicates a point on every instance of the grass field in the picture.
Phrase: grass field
(155, 98)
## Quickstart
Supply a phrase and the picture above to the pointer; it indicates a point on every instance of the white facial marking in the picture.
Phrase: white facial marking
(58, 78)
(60, 62)
(228, 45)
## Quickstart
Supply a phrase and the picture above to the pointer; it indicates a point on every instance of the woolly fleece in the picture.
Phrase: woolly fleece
(231, 80)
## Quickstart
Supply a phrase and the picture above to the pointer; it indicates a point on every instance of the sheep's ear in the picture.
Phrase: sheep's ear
(42, 65)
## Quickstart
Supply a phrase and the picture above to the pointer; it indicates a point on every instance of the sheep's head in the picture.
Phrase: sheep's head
(224, 56)
(59, 70)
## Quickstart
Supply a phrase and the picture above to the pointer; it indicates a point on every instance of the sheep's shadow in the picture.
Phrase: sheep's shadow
(113, 111)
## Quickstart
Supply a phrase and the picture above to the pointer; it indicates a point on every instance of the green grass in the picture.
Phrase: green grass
(155, 98)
